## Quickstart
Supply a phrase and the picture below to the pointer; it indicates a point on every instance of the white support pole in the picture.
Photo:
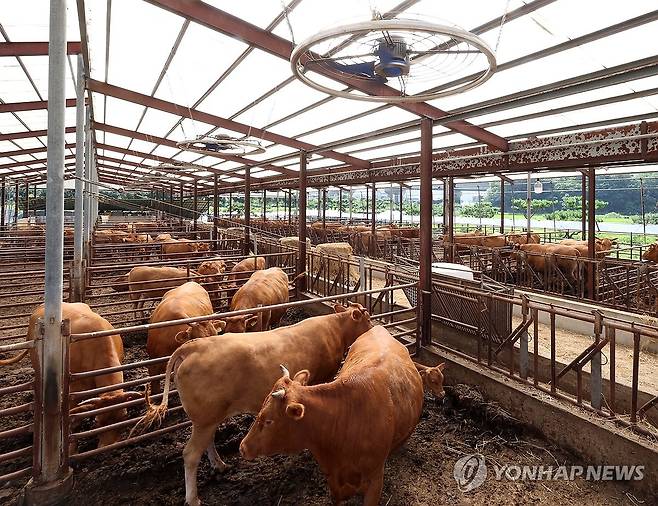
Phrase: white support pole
(50, 441)
(528, 206)
(78, 241)
(87, 204)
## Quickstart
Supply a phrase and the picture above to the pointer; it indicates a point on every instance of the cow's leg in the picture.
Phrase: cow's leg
(374, 490)
(155, 384)
(201, 437)
(215, 460)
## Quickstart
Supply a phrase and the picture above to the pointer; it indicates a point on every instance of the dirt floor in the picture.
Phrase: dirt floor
(570, 344)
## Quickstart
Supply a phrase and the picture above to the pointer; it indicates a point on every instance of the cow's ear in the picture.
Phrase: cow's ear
(357, 315)
(441, 366)
(302, 377)
(219, 325)
(183, 335)
(339, 308)
(295, 410)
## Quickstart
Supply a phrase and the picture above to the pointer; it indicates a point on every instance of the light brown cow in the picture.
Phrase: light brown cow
(222, 376)
(185, 301)
(266, 288)
(109, 236)
(651, 254)
(542, 256)
(146, 282)
(246, 265)
(432, 378)
(89, 355)
(350, 425)
(163, 237)
(178, 246)
(603, 246)
(523, 239)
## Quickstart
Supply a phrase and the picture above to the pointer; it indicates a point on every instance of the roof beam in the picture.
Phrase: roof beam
(31, 106)
(26, 164)
(7, 154)
(29, 134)
(169, 143)
(33, 48)
(211, 119)
(237, 28)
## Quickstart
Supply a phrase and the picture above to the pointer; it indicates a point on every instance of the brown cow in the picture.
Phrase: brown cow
(651, 254)
(432, 378)
(146, 282)
(246, 265)
(523, 239)
(603, 246)
(163, 237)
(221, 376)
(542, 256)
(266, 288)
(89, 355)
(185, 301)
(178, 246)
(350, 425)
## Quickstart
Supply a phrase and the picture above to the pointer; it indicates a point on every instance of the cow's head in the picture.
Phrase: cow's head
(357, 318)
(203, 246)
(211, 267)
(277, 426)
(198, 330)
(163, 237)
(241, 324)
(652, 253)
(109, 417)
(433, 379)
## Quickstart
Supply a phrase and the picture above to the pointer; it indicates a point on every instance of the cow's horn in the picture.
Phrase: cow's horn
(286, 372)
(279, 393)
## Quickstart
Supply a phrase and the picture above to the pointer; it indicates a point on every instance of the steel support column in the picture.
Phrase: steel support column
(373, 203)
(264, 205)
(86, 217)
(180, 205)
(289, 207)
(16, 203)
(53, 480)
(196, 204)
(583, 206)
(401, 202)
(449, 215)
(215, 207)
(324, 207)
(425, 276)
(230, 205)
(3, 194)
(26, 211)
(247, 210)
(78, 239)
(502, 206)
(591, 232)
(301, 222)
(340, 204)
(319, 195)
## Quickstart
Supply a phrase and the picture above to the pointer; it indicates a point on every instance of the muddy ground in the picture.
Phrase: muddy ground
(419, 473)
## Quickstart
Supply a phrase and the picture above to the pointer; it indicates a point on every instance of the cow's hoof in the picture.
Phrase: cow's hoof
(194, 502)
(220, 469)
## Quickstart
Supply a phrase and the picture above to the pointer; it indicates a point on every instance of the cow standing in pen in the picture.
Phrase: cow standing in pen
(222, 376)
(350, 425)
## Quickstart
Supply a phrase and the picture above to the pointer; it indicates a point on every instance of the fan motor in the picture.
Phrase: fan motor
(393, 58)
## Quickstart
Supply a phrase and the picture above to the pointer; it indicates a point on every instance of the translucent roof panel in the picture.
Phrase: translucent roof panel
(184, 83)
(258, 73)
(28, 20)
(135, 60)
(256, 12)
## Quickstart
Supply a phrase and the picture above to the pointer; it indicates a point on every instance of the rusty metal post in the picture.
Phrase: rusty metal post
(340, 204)
(195, 204)
(319, 195)
(425, 275)
(215, 207)
(247, 210)
(448, 218)
(591, 232)
(27, 201)
(324, 207)
(52, 480)
(583, 205)
(502, 206)
(400, 202)
(180, 205)
(230, 206)
(2, 204)
(264, 205)
(16, 203)
(289, 206)
(373, 237)
(301, 221)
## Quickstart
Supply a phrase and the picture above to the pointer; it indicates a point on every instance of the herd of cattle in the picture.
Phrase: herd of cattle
(228, 366)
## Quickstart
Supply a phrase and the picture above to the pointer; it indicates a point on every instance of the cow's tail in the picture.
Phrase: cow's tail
(15, 359)
(156, 414)
(297, 278)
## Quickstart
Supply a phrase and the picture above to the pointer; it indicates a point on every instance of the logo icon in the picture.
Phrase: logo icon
(470, 472)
